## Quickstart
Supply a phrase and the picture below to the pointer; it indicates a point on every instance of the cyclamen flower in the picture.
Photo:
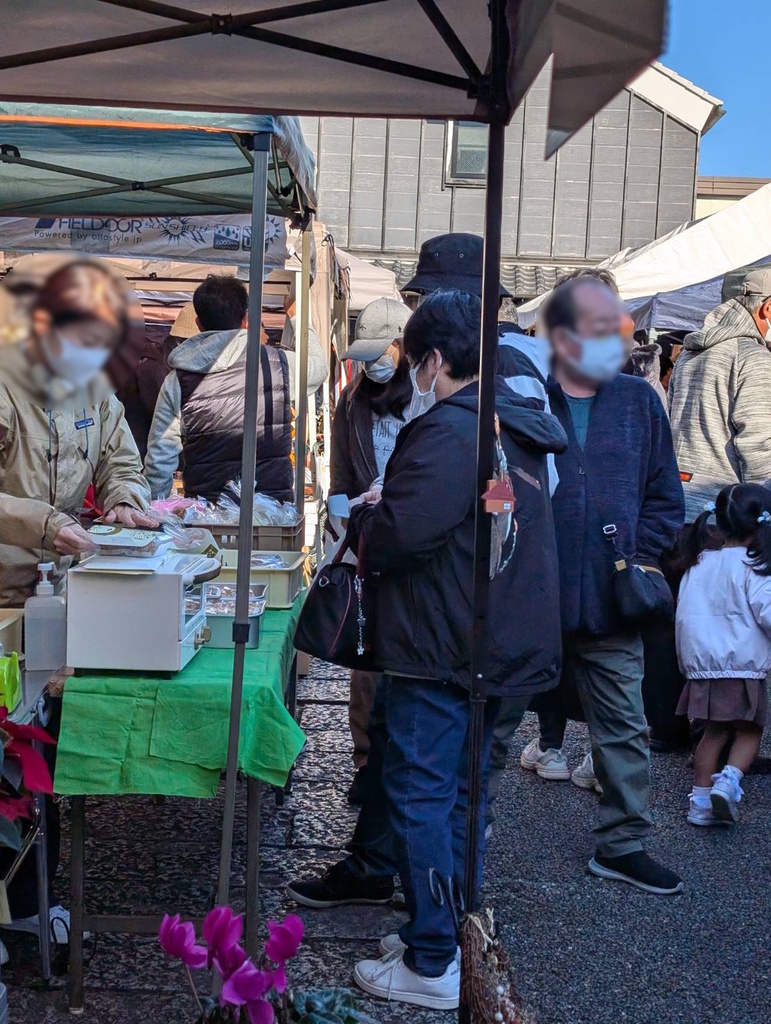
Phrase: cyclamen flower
(284, 940)
(222, 930)
(177, 938)
(246, 987)
(227, 961)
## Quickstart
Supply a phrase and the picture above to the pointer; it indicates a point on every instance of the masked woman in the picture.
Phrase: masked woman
(61, 431)
(372, 410)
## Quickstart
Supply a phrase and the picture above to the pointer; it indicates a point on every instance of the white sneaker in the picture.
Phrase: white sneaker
(390, 978)
(4, 958)
(392, 944)
(489, 832)
(547, 764)
(725, 796)
(699, 814)
(60, 925)
(584, 776)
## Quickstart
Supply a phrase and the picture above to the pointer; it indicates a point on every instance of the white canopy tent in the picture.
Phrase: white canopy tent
(697, 252)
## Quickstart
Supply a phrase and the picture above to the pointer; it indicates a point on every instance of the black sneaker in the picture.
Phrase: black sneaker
(360, 787)
(639, 870)
(338, 886)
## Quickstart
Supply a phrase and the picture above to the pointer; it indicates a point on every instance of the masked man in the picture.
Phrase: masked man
(619, 469)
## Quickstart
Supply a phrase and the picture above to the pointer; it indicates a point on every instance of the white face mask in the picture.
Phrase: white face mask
(74, 363)
(421, 400)
(381, 370)
(601, 359)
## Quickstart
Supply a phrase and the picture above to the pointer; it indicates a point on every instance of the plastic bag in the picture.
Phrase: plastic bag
(10, 681)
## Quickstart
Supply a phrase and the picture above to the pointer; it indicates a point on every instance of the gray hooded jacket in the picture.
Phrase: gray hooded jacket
(720, 406)
(209, 352)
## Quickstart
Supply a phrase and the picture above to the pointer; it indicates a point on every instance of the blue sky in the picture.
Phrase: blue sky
(724, 46)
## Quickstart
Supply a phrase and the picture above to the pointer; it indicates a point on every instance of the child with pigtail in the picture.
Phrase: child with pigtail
(724, 642)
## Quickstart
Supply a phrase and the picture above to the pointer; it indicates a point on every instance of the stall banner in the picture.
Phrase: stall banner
(221, 239)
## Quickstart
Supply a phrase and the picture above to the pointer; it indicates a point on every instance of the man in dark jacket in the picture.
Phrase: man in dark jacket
(619, 469)
(420, 540)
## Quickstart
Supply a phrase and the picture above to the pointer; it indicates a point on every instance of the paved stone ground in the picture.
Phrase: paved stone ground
(584, 951)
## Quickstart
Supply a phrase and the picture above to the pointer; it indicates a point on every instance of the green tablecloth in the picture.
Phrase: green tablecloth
(134, 733)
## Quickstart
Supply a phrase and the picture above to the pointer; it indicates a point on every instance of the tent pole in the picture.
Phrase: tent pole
(488, 360)
(301, 369)
(261, 143)
(485, 468)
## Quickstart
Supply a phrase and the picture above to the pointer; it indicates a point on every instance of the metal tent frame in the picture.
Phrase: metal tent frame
(597, 48)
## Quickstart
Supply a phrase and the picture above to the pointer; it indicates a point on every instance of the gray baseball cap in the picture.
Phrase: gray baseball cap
(747, 281)
(377, 327)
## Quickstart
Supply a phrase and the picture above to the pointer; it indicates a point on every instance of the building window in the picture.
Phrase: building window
(466, 153)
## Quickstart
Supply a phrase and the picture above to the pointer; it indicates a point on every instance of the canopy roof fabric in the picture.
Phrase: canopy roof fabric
(425, 58)
(75, 160)
(698, 253)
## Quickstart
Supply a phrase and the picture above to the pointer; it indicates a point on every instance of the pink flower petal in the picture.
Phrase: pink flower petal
(260, 1012)
(222, 929)
(246, 985)
(284, 940)
(279, 979)
(227, 961)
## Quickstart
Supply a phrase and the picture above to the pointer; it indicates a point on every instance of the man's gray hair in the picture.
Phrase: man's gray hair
(751, 303)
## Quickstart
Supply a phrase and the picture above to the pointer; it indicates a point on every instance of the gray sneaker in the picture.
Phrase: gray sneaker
(584, 776)
(547, 764)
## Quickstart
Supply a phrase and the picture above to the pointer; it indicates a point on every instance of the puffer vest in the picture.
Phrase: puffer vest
(212, 417)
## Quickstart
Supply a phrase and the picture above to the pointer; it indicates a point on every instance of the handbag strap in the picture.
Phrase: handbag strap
(344, 547)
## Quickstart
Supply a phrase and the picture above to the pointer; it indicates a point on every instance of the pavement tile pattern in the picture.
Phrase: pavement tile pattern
(583, 951)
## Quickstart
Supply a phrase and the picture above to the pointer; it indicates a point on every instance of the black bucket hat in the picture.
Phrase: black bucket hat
(451, 261)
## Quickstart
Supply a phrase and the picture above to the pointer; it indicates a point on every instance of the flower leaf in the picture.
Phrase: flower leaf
(10, 770)
(9, 834)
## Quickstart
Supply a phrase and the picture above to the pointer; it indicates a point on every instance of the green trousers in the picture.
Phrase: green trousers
(608, 674)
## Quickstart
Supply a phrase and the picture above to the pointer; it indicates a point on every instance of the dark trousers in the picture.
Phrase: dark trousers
(371, 851)
(425, 778)
(662, 685)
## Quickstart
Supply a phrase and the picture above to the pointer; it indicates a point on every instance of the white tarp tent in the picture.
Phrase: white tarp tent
(366, 281)
(700, 251)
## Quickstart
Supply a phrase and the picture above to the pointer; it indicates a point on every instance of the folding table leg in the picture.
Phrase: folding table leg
(77, 910)
(41, 857)
(253, 801)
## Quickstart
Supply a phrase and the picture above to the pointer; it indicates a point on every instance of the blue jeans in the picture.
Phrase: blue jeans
(425, 780)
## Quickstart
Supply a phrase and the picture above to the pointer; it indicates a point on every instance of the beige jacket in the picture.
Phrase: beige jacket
(89, 443)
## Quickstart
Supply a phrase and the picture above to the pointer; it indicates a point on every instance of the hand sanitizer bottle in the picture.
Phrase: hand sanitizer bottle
(45, 626)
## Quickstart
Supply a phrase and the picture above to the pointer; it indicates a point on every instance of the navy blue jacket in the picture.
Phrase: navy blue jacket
(627, 475)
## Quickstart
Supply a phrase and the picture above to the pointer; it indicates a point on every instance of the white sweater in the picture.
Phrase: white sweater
(724, 618)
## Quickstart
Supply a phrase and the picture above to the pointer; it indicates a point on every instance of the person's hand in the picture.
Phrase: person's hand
(128, 516)
(72, 539)
(372, 496)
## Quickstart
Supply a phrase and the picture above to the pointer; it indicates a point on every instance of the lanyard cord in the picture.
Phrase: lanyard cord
(50, 457)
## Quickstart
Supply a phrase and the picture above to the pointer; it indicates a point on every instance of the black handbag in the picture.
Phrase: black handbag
(642, 592)
(336, 623)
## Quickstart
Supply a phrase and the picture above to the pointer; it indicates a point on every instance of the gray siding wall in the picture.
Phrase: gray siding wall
(627, 177)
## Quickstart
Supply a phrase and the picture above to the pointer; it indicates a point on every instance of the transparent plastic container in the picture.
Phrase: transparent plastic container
(45, 626)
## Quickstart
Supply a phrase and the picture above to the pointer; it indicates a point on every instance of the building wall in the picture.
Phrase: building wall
(714, 194)
(626, 178)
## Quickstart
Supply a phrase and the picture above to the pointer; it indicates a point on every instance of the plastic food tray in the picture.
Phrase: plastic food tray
(283, 584)
(221, 627)
(264, 538)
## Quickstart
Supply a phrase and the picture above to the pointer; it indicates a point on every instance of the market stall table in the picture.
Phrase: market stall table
(136, 733)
